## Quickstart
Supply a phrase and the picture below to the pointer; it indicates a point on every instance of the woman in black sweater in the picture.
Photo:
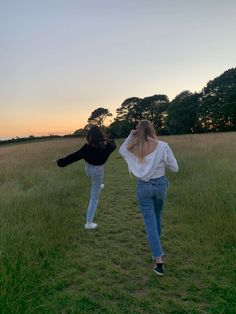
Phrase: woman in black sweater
(95, 152)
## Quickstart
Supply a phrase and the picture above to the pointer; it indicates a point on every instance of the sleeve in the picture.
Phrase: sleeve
(78, 155)
(111, 144)
(123, 149)
(170, 160)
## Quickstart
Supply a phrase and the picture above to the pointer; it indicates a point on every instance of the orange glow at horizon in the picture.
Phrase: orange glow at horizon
(42, 126)
(41, 129)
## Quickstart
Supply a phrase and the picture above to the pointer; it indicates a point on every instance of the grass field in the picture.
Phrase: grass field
(50, 264)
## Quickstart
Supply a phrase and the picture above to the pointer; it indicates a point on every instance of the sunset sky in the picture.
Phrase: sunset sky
(61, 59)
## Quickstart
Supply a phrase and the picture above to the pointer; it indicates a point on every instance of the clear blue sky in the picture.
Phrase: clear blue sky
(60, 60)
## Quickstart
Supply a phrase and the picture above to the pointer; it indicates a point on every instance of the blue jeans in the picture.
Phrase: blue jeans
(96, 173)
(151, 196)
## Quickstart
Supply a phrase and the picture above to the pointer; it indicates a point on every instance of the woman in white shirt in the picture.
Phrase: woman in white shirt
(147, 159)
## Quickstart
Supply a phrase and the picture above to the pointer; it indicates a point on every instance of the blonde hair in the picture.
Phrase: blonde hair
(144, 131)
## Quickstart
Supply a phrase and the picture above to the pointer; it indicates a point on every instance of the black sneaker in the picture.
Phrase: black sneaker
(159, 269)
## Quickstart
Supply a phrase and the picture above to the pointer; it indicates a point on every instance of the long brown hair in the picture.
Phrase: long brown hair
(95, 137)
(144, 131)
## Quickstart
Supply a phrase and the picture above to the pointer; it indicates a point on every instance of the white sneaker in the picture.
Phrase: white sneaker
(90, 225)
(102, 186)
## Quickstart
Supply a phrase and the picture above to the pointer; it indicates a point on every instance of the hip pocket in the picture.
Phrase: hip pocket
(161, 190)
(143, 190)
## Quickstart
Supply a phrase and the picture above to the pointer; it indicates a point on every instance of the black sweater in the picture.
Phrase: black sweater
(92, 155)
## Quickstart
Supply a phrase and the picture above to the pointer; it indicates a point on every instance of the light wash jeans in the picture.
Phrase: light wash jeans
(151, 196)
(96, 173)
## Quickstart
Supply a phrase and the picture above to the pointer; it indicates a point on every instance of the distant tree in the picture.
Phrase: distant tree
(134, 109)
(213, 109)
(154, 108)
(120, 128)
(80, 132)
(127, 110)
(217, 109)
(98, 116)
(126, 118)
(182, 113)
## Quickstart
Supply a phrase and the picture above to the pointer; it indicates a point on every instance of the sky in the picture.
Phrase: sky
(62, 59)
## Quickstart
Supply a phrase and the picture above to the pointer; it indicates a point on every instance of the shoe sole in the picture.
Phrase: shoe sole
(159, 274)
(90, 228)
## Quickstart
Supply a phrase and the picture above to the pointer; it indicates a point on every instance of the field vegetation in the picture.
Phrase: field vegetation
(50, 264)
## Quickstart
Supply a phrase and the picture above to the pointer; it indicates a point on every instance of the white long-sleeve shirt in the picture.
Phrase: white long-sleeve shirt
(154, 164)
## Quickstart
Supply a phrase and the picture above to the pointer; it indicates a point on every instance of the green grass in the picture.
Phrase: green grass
(50, 264)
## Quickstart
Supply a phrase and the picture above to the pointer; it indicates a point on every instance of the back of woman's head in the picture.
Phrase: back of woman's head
(95, 137)
(144, 132)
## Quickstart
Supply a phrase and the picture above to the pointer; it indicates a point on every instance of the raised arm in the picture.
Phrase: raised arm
(123, 149)
(78, 155)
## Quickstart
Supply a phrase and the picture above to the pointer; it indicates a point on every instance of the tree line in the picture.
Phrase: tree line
(211, 110)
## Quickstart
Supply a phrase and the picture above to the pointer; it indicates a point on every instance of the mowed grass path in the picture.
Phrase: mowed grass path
(50, 264)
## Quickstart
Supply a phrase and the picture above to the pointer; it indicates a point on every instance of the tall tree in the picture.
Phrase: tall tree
(126, 118)
(213, 109)
(120, 128)
(134, 109)
(154, 108)
(127, 110)
(98, 116)
(217, 109)
(182, 113)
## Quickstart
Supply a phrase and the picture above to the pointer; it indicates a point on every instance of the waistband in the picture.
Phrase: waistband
(154, 180)
(93, 166)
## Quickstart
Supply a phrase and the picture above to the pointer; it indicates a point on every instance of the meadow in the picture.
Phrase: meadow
(50, 264)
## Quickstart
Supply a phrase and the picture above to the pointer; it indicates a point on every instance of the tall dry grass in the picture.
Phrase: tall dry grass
(49, 264)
